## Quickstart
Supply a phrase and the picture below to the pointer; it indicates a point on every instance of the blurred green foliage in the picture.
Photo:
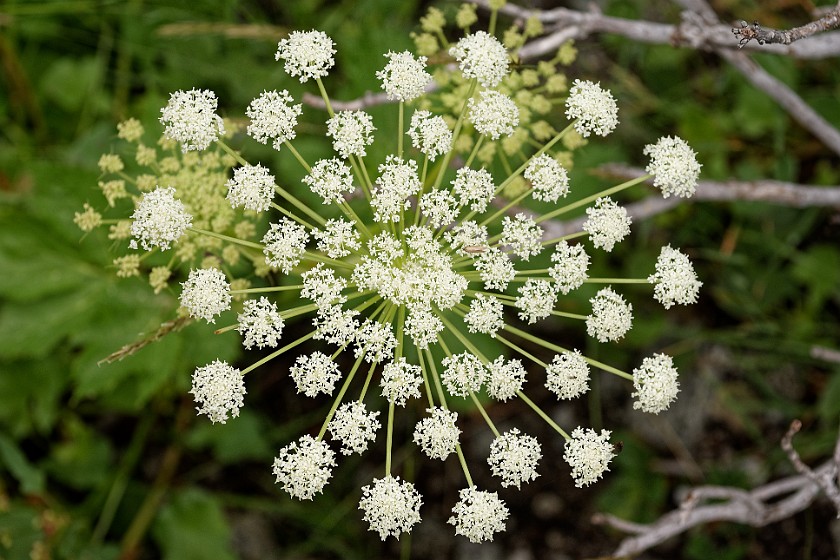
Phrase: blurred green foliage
(108, 461)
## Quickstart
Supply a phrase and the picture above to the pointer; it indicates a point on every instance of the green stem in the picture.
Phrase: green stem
(338, 398)
(484, 414)
(298, 156)
(588, 199)
(455, 134)
(464, 466)
(324, 96)
(401, 127)
(543, 415)
(390, 439)
(228, 238)
(277, 353)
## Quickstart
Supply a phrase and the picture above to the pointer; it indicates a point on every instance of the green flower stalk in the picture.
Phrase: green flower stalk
(405, 265)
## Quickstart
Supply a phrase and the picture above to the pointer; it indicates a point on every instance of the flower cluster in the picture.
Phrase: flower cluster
(406, 266)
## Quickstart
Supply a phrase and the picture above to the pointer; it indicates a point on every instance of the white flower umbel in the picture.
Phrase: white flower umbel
(607, 223)
(589, 455)
(352, 132)
(206, 294)
(430, 134)
(467, 236)
(674, 166)
(485, 315)
(285, 243)
(423, 326)
(190, 118)
(496, 269)
(330, 179)
(440, 207)
(354, 427)
(474, 187)
(504, 378)
(522, 235)
(307, 54)
(304, 467)
(567, 376)
(391, 507)
(251, 187)
(514, 457)
(656, 384)
(315, 373)
(404, 77)
(336, 325)
(375, 341)
(463, 373)
(478, 515)
(273, 117)
(437, 435)
(401, 381)
(571, 265)
(159, 220)
(397, 181)
(260, 323)
(339, 238)
(483, 57)
(535, 300)
(494, 115)
(674, 280)
(549, 179)
(611, 316)
(218, 390)
(593, 109)
(322, 286)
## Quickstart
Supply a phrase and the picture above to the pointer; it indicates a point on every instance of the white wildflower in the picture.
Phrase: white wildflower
(674, 280)
(593, 109)
(190, 118)
(485, 315)
(478, 515)
(607, 223)
(437, 435)
(401, 381)
(335, 325)
(522, 235)
(430, 134)
(496, 269)
(260, 323)
(571, 265)
(535, 300)
(218, 389)
(315, 373)
(589, 455)
(285, 243)
(354, 427)
(611, 316)
(330, 179)
(548, 178)
(322, 286)
(375, 341)
(674, 166)
(391, 507)
(273, 117)
(304, 467)
(397, 181)
(308, 54)
(656, 384)
(440, 207)
(505, 378)
(463, 373)
(423, 326)
(514, 458)
(494, 114)
(567, 376)
(474, 187)
(159, 220)
(251, 187)
(206, 294)
(404, 77)
(339, 238)
(351, 132)
(481, 56)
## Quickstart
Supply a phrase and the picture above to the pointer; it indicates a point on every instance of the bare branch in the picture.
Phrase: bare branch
(564, 24)
(825, 354)
(757, 508)
(748, 32)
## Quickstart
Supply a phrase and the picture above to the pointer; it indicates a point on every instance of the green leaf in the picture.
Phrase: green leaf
(239, 439)
(83, 459)
(829, 403)
(30, 478)
(192, 527)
